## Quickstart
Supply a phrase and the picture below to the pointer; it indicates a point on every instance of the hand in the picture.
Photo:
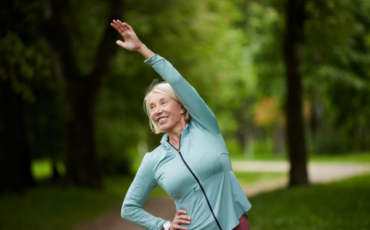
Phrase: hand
(180, 219)
(132, 42)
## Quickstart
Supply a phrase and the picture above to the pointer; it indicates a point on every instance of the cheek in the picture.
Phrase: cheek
(152, 117)
(176, 111)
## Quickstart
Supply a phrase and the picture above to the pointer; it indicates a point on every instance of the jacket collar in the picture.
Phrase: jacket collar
(164, 140)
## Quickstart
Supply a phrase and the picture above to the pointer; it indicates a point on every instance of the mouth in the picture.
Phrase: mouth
(161, 120)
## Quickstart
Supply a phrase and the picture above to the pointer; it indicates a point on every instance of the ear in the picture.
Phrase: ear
(183, 110)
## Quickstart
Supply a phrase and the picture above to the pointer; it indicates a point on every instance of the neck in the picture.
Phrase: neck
(175, 133)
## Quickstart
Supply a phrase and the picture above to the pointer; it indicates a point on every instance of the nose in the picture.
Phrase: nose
(158, 110)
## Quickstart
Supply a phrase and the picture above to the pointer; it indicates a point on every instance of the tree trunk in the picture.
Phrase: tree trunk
(15, 160)
(279, 138)
(316, 111)
(295, 13)
(81, 91)
(82, 165)
(55, 173)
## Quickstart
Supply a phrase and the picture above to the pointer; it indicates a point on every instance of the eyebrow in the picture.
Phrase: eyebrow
(163, 98)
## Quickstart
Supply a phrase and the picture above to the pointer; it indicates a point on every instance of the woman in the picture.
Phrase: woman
(192, 163)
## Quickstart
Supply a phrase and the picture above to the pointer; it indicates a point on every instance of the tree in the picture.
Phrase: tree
(336, 66)
(19, 65)
(15, 159)
(81, 88)
(295, 18)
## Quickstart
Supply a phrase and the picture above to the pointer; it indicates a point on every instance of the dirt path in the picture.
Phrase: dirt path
(159, 206)
(165, 208)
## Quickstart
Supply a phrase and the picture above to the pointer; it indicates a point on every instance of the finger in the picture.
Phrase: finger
(183, 222)
(116, 23)
(114, 26)
(119, 25)
(180, 211)
(178, 220)
(176, 226)
(127, 27)
(182, 217)
(121, 43)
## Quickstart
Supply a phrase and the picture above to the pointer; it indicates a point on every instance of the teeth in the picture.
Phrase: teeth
(162, 119)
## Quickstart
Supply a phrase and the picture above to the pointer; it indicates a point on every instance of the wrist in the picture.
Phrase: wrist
(166, 225)
(141, 48)
(145, 51)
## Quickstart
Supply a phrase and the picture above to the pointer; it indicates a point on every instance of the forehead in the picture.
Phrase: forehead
(155, 97)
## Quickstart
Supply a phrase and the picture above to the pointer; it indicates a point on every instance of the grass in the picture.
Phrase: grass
(252, 178)
(335, 206)
(363, 157)
(341, 205)
(259, 157)
(353, 158)
(53, 207)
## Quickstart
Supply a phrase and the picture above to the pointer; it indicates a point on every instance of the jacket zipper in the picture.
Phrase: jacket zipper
(196, 178)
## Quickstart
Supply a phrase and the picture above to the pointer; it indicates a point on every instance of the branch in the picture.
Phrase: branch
(56, 32)
(107, 47)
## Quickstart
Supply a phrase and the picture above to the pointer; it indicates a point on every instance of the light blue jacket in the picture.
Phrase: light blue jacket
(199, 177)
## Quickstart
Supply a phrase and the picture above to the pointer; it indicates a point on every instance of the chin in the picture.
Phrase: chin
(164, 127)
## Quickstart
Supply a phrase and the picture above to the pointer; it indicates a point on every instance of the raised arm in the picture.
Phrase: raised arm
(136, 196)
(189, 97)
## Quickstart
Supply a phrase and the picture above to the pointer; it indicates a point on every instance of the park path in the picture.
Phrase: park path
(165, 208)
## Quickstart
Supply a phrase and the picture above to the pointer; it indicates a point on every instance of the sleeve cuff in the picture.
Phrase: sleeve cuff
(153, 59)
(161, 223)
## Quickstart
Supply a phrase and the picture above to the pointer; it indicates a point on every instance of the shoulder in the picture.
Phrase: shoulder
(157, 150)
(195, 127)
(153, 155)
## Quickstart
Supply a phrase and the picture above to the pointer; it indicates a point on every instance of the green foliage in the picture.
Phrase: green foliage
(230, 51)
(23, 64)
(26, 61)
(52, 207)
(42, 169)
(335, 66)
(86, 21)
(338, 205)
(337, 76)
(356, 157)
(251, 178)
(233, 146)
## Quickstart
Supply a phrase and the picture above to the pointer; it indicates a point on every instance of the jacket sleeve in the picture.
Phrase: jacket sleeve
(136, 196)
(189, 97)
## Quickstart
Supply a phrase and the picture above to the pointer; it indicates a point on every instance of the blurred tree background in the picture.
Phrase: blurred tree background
(70, 95)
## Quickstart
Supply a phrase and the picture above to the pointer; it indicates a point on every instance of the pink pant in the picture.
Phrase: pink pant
(243, 223)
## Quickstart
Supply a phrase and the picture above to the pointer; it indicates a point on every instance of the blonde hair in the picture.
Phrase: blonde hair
(166, 89)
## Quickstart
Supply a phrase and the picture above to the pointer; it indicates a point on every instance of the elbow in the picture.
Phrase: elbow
(125, 212)
(128, 211)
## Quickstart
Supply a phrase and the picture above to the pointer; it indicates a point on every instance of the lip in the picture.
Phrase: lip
(163, 121)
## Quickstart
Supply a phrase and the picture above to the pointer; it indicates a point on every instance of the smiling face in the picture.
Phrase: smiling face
(167, 113)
